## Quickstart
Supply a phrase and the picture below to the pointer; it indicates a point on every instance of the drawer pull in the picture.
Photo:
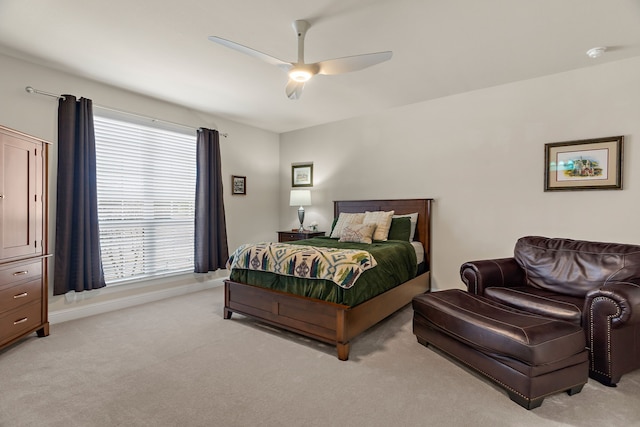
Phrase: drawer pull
(21, 273)
(17, 322)
(22, 295)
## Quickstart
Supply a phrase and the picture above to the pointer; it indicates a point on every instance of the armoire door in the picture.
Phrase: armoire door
(20, 182)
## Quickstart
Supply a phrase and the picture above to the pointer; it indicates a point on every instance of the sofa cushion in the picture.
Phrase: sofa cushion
(574, 267)
(539, 301)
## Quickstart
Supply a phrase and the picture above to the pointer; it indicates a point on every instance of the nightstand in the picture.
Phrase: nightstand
(290, 236)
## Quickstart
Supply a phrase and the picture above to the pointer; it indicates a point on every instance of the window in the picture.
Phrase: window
(146, 199)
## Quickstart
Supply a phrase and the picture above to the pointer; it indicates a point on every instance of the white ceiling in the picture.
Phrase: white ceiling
(440, 48)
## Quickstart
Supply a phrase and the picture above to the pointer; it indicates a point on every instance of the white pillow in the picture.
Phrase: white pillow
(414, 222)
(346, 219)
(358, 233)
(382, 220)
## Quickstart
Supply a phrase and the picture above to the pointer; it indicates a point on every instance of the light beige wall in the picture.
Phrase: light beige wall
(480, 155)
(247, 151)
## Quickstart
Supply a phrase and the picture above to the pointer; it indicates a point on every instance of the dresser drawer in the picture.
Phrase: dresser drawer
(289, 237)
(23, 293)
(19, 321)
(16, 272)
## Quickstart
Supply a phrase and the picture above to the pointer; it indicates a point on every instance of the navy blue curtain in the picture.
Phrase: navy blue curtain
(77, 266)
(211, 249)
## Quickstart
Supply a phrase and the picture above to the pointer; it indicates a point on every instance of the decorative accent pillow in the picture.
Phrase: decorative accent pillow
(382, 220)
(414, 223)
(345, 219)
(358, 233)
(400, 229)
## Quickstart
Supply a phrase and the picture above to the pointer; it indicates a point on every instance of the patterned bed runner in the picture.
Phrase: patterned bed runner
(341, 266)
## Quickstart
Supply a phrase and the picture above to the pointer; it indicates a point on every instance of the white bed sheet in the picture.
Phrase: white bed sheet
(419, 251)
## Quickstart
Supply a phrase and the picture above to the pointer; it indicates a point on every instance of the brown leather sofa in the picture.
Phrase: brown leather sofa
(593, 284)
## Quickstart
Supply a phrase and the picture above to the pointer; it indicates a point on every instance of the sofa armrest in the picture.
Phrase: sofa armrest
(504, 272)
(619, 302)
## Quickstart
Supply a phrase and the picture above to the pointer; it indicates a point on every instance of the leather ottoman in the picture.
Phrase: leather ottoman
(529, 356)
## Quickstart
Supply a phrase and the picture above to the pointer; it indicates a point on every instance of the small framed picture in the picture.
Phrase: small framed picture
(302, 175)
(238, 184)
(588, 164)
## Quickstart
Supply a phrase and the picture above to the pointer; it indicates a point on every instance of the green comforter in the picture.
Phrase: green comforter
(396, 264)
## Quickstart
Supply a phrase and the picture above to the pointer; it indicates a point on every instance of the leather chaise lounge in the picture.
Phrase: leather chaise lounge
(593, 285)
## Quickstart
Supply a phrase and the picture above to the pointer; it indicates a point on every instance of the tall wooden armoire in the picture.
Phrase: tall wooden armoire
(23, 236)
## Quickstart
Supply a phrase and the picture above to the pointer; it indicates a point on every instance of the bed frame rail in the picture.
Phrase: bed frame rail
(331, 323)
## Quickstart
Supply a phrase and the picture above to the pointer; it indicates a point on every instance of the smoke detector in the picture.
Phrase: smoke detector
(596, 52)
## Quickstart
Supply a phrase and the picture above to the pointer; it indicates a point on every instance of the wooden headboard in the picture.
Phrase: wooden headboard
(400, 207)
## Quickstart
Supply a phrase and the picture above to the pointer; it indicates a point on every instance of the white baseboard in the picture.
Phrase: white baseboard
(92, 309)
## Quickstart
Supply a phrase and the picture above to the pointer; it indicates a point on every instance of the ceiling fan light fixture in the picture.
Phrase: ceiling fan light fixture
(300, 75)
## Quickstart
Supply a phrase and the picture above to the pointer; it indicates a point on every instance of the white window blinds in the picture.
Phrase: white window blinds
(146, 196)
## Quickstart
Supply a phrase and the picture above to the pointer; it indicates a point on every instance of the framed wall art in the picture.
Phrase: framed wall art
(238, 185)
(302, 175)
(588, 164)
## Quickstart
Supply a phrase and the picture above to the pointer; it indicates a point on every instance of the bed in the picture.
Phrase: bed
(330, 322)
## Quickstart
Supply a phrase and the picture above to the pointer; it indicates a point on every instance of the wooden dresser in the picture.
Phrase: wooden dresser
(23, 236)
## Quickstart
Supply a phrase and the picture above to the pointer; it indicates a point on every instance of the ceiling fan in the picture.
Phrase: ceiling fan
(299, 72)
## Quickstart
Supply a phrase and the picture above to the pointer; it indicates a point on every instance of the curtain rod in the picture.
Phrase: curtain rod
(41, 92)
(30, 89)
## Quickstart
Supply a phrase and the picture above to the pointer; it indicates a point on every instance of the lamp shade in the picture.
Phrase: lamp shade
(300, 198)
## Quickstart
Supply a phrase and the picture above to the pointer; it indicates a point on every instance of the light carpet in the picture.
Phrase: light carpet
(177, 362)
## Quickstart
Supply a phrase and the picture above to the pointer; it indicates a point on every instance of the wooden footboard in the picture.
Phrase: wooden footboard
(331, 323)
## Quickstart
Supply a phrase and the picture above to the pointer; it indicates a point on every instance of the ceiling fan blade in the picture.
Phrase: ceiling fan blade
(294, 89)
(352, 63)
(251, 52)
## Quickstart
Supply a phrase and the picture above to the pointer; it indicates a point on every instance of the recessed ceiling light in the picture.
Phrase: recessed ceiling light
(596, 52)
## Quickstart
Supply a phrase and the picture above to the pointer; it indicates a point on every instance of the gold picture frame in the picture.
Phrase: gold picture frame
(588, 164)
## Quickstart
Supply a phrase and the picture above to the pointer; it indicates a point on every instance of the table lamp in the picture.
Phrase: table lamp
(300, 198)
